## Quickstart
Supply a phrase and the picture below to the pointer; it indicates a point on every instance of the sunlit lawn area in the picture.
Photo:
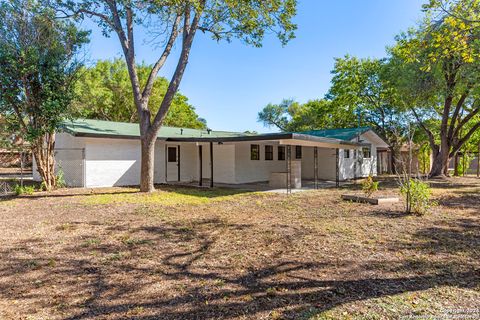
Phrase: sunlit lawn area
(186, 253)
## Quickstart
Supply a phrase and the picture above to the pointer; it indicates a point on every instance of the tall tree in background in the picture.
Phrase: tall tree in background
(180, 20)
(363, 84)
(37, 70)
(441, 60)
(314, 114)
(104, 92)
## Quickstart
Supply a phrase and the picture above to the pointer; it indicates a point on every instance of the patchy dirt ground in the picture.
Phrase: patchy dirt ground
(197, 254)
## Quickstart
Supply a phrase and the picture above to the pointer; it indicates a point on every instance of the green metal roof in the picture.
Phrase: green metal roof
(346, 134)
(86, 127)
(110, 129)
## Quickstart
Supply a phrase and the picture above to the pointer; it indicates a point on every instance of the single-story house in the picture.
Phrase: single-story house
(93, 153)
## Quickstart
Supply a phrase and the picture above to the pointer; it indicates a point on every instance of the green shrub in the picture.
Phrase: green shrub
(417, 196)
(19, 190)
(60, 178)
(369, 186)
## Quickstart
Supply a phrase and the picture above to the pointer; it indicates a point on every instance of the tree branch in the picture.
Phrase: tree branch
(458, 107)
(465, 138)
(161, 61)
(429, 133)
(189, 34)
(467, 118)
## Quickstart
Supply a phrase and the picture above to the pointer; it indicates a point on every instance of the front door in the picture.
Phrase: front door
(173, 163)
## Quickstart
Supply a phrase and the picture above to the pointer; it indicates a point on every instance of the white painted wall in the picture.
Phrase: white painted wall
(247, 170)
(116, 162)
(112, 162)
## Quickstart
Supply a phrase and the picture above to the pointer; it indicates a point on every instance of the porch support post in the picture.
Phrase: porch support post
(178, 163)
(315, 166)
(200, 158)
(211, 164)
(337, 167)
(289, 169)
(355, 155)
(166, 163)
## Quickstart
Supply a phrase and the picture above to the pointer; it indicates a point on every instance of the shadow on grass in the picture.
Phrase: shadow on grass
(390, 213)
(108, 285)
(122, 191)
(462, 200)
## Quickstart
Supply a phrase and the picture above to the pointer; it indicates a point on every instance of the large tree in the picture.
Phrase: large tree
(104, 92)
(314, 114)
(364, 85)
(179, 20)
(441, 80)
(37, 70)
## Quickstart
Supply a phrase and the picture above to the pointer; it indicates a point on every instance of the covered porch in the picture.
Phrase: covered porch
(284, 161)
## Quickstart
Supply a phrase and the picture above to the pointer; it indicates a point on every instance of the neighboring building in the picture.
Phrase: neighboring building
(95, 153)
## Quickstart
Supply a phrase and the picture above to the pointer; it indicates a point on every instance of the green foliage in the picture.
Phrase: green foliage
(19, 190)
(60, 178)
(424, 158)
(247, 21)
(438, 74)
(314, 114)
(464, 163)
(37, 67)
(364, 86)
(104, 92)
(417, 195)
(369, 187)
(37, 71)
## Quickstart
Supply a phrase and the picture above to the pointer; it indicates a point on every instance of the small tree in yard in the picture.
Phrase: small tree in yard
(179, 20)
(37, 68)
(415, 191)
(369, 186)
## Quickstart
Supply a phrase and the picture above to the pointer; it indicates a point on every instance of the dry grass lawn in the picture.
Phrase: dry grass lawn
(222, 254)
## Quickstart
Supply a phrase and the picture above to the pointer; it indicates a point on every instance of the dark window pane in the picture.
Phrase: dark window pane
(281, 152)
(172, 154)
(367, 153)
(298, 152)
(254, 152)
(346, 153)
(268, 152)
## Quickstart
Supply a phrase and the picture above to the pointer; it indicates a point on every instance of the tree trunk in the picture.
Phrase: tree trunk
(43, 150)
(393, 159)
(439, 164)
(147, 163)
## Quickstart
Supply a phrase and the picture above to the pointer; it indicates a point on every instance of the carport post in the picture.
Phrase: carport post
(211, 164)
(337, 168)
(355, 166)
(289, 169)
(200, 158)
(178, 164)
(315, 166)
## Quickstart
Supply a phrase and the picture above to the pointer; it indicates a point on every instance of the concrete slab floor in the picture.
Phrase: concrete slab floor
(307, 185)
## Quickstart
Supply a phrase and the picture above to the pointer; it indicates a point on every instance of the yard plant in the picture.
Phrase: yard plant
(369, 186)
(417, 196)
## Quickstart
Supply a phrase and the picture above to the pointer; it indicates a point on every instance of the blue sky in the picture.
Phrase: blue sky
(229, 83)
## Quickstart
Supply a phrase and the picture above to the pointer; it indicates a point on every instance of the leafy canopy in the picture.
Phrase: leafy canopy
(439, 64)
(314, 114)
(364, 86)
(37, 67)
(104, 92)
